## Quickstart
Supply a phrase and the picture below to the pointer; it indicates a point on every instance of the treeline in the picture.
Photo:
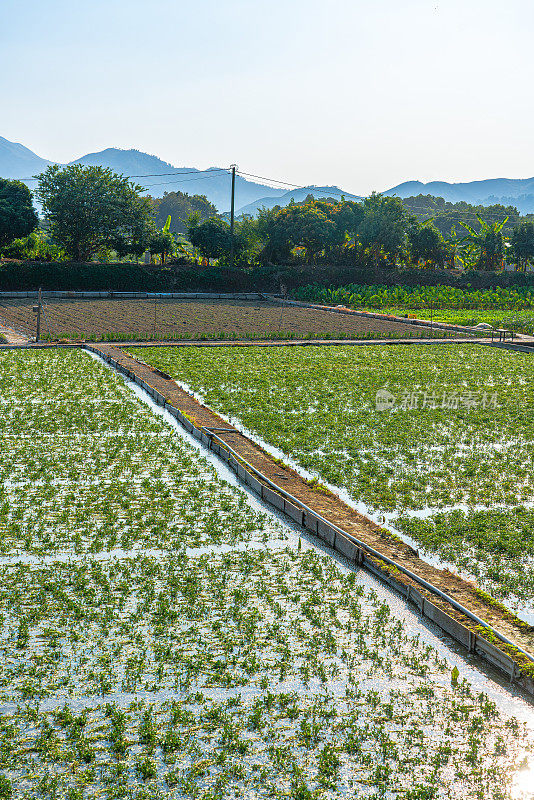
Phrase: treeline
(90, 213)
(378, 233)
(448, 217)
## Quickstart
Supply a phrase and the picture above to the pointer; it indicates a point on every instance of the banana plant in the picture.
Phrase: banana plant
(162, 241)
(488, 243)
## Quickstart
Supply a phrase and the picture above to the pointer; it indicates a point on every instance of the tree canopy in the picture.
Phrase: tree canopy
(426, 244)
(383, 227)
(212, 237)
(180, 206)
(18, 217)
(89, 208)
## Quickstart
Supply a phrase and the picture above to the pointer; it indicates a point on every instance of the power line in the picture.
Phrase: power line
(187, 172)
(424, 210)
(326, 189)
(272, 180)
(186, 180)
(155, 174)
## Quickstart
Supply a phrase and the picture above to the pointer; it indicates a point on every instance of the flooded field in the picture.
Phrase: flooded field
(447, 464)
(164, 637)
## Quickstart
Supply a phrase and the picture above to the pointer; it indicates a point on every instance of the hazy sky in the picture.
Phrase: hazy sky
(363, 94)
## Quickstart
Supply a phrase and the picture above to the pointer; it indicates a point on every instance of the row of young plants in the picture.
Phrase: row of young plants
(257, 670)
(421, 296)
(517, 321)
(458, 434)
(267, 335)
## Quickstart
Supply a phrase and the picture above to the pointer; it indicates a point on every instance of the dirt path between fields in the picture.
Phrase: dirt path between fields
(336, 511)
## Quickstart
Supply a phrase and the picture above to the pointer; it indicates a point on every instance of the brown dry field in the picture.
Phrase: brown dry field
(168, 319)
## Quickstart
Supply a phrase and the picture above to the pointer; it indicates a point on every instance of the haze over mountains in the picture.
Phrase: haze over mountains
(17, 161)
(517, 192)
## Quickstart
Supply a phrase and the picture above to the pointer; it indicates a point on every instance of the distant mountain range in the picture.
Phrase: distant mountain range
(17, 161)
(517, 192)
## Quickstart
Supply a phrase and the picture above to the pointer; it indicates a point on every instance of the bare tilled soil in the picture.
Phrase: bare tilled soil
(168, 319)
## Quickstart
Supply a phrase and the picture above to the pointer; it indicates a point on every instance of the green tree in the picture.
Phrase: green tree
(522, 244)
(348, 216)
(92, 208)
(301, 225)
(36, 247)
(249, 241)
(426, 244)
(276, 247)
(382, 231)
(18, 217)
(211, 237)
(180, 206)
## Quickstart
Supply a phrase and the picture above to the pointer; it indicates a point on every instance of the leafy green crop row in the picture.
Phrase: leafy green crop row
(420, 296)
(186, 674)
(518, 321)
(318, 406)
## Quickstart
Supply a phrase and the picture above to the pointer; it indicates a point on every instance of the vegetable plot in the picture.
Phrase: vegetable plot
(512, 309)
(169, 319)
(458, 436)
(420, 296)
(257, 672)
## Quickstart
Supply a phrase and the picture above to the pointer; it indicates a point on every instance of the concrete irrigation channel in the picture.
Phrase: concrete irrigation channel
(483, 627)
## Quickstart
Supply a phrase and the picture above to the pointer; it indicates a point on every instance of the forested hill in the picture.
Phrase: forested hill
(17, 161)
(297, 196)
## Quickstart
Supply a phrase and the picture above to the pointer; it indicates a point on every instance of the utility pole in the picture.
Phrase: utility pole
(232, 209)
(38, 309)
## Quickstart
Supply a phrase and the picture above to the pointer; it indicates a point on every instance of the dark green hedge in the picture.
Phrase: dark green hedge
(116, 277)
(135, 277)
